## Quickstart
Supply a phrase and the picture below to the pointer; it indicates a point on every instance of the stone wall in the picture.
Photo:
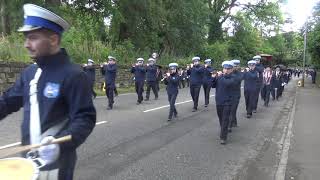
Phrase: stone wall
(10, 71)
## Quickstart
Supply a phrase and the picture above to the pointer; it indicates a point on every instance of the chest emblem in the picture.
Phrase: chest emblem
(51, 90)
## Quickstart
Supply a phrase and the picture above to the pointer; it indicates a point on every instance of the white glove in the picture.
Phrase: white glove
(49, 153)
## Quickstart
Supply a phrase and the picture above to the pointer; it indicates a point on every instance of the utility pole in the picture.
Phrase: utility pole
(304, 55)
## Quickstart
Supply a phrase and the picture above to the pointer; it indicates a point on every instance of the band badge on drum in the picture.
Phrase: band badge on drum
(51, 90)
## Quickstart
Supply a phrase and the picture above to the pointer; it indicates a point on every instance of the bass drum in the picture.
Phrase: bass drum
(18, 169)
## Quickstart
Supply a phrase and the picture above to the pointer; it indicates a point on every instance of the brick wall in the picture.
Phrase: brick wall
(10, 71)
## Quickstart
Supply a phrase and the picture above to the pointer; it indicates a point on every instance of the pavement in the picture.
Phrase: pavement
(135, 142)
(304, 159)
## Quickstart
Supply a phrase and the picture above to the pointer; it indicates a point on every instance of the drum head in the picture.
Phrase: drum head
(18, 169)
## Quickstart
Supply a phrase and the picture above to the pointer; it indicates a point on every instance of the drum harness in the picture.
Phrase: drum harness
(35, 129)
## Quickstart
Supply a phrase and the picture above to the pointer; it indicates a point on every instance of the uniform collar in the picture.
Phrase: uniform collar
(53, 60)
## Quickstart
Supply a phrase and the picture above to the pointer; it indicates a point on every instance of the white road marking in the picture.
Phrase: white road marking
(281, 170)
(19, 143)
(161, 107)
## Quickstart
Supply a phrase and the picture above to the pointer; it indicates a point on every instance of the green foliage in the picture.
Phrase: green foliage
(246, 40)
(217, 51)
(12, 48)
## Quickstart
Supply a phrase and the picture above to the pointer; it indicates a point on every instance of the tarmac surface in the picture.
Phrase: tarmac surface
(135, 142)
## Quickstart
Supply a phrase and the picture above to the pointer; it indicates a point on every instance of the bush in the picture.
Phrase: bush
(218, 52)
(12, 48)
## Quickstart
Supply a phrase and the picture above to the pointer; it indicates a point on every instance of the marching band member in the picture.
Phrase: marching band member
(224, 83)
(276, 82)
(251, 84)
(151, 77)
(55, 94)
(259, 68)
(91, 72)
(139, 72)
(109, 70)
(172, 82)
(238, 75)
(196, 75)
(266, 86)
(207, 81)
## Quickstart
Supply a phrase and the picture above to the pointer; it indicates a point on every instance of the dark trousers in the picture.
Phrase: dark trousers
(172, 100)
(182, 84)
(281, 90)
(139, 90)
(233, 115)
(110, 95)
(224, 112)
(188, 82)
(275, 92)
(313, 79)
(265, 93)
(158, 85)
(92, 89)
(195, 91)
(256, 101)
(250, 98)
(153, 85)
(206, 89)
(115, 91)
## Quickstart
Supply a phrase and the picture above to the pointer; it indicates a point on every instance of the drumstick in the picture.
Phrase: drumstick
(15, 150)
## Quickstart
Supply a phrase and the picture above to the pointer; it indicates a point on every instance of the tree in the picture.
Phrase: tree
(220, 11)
(246, 40)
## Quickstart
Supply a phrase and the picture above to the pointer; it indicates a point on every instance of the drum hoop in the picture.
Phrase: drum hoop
(36, 174)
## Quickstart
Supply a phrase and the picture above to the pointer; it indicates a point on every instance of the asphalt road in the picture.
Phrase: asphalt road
(135, 142)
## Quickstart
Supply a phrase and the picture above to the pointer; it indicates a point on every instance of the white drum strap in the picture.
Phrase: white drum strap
(35, 125)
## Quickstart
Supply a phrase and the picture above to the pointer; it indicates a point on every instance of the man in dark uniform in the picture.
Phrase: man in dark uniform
(139, 76)
(313, 74)
(238, 76)
(109, 70)
(52, 98)
(172, 82)
(224, 83)
(266, 87)
(159, 77)
(207, 81)
(251, 83)
(182, 77)
(151, 79)
(276, 83)
(259, 68)
(196, 75)
(91, 72)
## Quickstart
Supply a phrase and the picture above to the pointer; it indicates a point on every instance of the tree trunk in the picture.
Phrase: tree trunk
(215, 31)
(4, 18)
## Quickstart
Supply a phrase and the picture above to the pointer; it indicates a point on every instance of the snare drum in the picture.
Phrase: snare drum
(18, 169)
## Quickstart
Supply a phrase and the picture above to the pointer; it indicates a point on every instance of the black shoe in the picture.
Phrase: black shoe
(169, 119)
(206, 105)
(254, 111)
(229, 130)
(223, 142)
(109, 108)
(249, 115)
(194, 109)
(138, 103)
